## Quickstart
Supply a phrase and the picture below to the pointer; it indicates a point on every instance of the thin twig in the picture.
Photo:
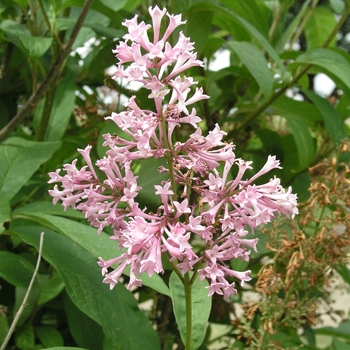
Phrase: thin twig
(35, 98)
(24, 302)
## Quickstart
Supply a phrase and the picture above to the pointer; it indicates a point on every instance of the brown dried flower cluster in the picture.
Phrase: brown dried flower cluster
(307, 253)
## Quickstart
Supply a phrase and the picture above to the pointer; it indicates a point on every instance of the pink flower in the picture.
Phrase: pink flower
(212, 208)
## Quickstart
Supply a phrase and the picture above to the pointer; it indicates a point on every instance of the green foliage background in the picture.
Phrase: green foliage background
(53, 100)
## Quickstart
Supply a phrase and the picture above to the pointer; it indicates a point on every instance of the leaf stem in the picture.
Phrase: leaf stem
(24, 302)
(188, 301)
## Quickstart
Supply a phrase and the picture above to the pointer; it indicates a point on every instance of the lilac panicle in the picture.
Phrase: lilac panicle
(224, 208)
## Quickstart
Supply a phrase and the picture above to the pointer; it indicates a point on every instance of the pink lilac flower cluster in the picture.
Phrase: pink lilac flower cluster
(198, 202)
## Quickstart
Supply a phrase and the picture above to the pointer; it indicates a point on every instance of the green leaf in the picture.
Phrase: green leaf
(19, 159)
(15, 269)
(319, 27)
(251, 12)
(232, 16)
(85, 331)
(50, 288)
(114, 5)
(198, 27)
(256, 63)
(332, 62)
(62, 108)
(293, 26)
(24, 336)
(339, 345)
(201, 305)
(303, 140)
(5, 213)
(87, 237)
(342, 331)
(66, 348)
(36, 46)
(116, 311)
(308, 112)
(67, 23)
(344, 271)
(49, 336)
(4, 326)
(333, 121)
(13, 30)
(337, 5)
(148, 176)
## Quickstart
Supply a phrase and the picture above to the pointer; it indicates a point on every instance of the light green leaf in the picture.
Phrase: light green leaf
(87, 237)
(333, 121)
(332, 62)
(201, 305)
(116, 311)
(49, 336)
(36, 46)
(319, 27)
(337, 5)
(256, 63)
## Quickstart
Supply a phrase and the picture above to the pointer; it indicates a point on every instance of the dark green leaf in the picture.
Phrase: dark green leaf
(256, 63)
(344, 271)
(19, 159)
(303, 140)
(87, 237)
(339, 345)
(66, 348)
(15, 269)
(293, 26)
(333, 121)
(85, 331)
(332, 62)
(198, 27)
(4, 326)
(201, 305)
(232, 16)
(24, 336)
(49, 336)
(116, 311)
(50, 288)
(342, 331)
